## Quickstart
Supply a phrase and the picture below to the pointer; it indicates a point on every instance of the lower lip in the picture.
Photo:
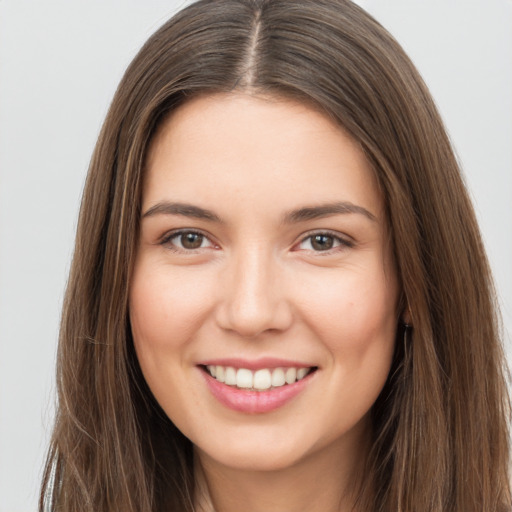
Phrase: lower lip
(255, 402)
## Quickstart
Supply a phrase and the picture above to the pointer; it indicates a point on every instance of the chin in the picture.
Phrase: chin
(269, 450)
(253, 458)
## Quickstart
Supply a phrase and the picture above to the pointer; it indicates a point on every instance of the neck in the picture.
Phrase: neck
(327, 481)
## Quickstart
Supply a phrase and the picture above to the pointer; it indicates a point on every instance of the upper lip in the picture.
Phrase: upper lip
(255, 364)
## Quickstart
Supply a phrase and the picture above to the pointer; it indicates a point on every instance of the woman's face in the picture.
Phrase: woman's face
(264, 262)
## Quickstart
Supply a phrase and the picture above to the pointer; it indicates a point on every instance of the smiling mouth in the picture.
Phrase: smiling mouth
(264, 379)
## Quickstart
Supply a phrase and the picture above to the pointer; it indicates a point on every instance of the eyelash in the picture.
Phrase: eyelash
(343, 243)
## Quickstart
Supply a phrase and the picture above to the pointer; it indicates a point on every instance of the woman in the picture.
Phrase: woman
(279, 298)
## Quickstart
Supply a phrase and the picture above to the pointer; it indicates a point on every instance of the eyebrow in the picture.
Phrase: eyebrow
(325, 210)
(291, 217)
(186, 210)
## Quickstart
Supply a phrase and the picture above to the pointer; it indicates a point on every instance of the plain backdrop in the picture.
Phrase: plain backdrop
(60, 61)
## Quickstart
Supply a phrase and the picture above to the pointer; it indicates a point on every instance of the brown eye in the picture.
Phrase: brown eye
(322, 242)
(183, 241)
(191, 240)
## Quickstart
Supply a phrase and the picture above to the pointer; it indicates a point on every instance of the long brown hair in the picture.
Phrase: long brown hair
(441, 422)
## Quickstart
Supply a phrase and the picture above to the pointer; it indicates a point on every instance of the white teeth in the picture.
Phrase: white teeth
(230, 376)
(278, 377)
(219, 373)
(259, 380)
(291, 375)
(301, 373)
(244, 378)
(262, 379)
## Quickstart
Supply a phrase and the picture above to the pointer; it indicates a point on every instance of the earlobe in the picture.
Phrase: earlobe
(406, 317)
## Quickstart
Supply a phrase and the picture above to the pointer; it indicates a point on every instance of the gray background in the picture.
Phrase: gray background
(60, 61)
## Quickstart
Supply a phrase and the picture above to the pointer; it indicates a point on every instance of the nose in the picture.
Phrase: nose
(253, 298)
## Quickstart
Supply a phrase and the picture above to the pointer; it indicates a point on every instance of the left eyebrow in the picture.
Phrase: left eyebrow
(325, 210)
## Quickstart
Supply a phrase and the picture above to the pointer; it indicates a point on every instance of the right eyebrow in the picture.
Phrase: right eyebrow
(183, 209)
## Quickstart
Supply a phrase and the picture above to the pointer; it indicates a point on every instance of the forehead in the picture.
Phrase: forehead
(255, 148)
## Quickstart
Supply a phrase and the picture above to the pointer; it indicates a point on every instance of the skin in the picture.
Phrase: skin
(258, 287)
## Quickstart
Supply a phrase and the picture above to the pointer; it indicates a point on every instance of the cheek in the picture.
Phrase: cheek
(166, 307)
(166, 310)
(355, 317)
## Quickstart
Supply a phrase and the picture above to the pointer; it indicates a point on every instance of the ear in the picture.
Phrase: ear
(406, 316)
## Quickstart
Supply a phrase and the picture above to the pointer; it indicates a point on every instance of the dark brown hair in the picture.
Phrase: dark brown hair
(441, 422)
